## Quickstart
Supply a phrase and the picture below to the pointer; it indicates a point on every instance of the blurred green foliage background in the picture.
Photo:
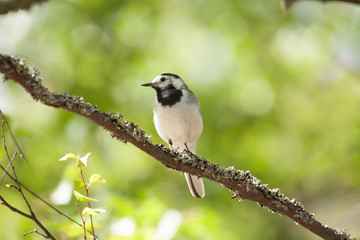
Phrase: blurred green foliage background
(279, 92)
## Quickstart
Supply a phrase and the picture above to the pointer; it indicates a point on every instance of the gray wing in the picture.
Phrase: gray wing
(193, 99)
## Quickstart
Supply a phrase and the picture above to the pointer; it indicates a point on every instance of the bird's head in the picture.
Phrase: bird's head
(165, 81)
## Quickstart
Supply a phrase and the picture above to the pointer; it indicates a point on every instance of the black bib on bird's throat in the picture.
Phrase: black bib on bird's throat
(168, 96)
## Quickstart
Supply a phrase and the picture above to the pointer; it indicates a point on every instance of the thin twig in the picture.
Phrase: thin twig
(13, 170)
(32, 217)
(13, 137)
(32, 214)
(82, 219)
(3, 121)
(7, 168)
(3, 139)
(5, 203)
(19, 186)
(12, 166)
(40, 198)
(89, 204)
(35, 231)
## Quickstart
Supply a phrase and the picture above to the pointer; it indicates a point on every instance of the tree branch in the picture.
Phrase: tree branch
(242, 184)
(5, 203)
(288, 3)
(15, 5)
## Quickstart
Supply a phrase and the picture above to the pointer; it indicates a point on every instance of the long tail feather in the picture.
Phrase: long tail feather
(196, 185)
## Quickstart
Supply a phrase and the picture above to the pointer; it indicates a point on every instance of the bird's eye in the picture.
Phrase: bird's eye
(162, 79)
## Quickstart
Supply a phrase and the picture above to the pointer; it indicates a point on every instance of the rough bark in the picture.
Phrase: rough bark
(16, 5)
(242, 184)
(288, 3)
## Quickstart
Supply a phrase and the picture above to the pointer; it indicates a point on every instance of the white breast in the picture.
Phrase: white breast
(181, 123)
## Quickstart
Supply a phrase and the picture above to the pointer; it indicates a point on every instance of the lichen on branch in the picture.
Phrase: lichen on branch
(241, 183)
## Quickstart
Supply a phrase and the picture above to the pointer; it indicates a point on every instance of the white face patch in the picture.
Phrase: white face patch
(162, 81)
(178, 83)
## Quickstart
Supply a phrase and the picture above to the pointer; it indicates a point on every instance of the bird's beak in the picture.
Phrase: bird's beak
(147, 84)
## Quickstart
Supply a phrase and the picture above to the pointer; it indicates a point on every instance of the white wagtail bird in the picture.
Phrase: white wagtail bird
(178, 119)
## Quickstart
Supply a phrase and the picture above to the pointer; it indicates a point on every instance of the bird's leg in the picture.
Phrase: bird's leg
(170, 144)
(186, 147)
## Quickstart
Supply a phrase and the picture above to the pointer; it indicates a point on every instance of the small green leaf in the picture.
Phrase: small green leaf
(78, 184)
(96, 178)
(84, 159)
(83, 198)
(79, 163)
(92, 211)
(67, 156)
